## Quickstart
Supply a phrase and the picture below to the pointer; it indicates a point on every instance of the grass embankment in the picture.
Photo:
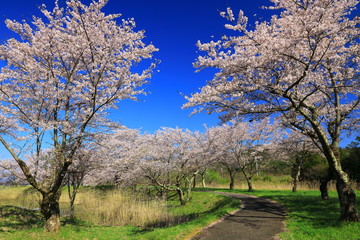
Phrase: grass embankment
(308, 216)
(96, 209)
(280, 182)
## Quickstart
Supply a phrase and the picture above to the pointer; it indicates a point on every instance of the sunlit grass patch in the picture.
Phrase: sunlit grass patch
(309, 217)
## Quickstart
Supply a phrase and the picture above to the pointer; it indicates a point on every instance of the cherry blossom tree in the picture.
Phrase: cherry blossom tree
(168, 160)
(120, 153)
(59, 81)
(11, 174)
(296, 148)
(204, 153)
(302, 65)
(43, 166)
(242, 147)
(85, 161)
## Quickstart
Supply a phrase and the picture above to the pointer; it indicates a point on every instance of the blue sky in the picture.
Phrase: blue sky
(173, 26)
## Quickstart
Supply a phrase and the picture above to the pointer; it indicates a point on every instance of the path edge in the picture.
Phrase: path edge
(276, 237)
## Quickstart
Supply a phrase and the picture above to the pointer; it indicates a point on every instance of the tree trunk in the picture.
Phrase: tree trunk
(72, 204)
(232, 179)
(346, 194)
(248, 180)
(324, 184)
(72, 208)
(51, 210)
(194, 181)
(250, 187)
(181, 196)
(188, 183)
(294, 187)
(72, 195)
(296, 174)
(203, 180)
(324, 188)
(347, 200)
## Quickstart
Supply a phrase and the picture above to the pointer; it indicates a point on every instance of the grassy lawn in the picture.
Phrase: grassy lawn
(309, 217)
(203, 209)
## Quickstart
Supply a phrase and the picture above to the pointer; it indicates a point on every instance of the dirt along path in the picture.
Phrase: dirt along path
(258, 219)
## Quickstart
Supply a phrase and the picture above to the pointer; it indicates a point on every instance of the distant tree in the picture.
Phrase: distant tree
(296, 149)
(59, 81)
(11, 174)
(350, 159)
(315, 170)
(119, 153)
(302, 66)
(204, 153)
(43, 166)
(242, 147)
(168, 160)
(85, 161)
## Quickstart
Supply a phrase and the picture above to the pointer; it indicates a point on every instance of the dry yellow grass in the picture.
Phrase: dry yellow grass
(117, 209)
(111, 208)
(22, 196)
(11, 193)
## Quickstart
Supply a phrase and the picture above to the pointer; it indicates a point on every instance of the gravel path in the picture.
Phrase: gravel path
(258, 219)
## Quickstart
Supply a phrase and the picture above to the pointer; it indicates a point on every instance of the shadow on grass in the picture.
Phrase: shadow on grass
(73, 221)
(311, 209)
(14, 218)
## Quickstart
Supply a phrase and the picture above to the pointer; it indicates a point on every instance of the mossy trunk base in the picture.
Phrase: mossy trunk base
(347, 198)
(52, 224)
(51, 210)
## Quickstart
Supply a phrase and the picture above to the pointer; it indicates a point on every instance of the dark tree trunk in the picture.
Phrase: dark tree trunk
(324, 182)
(194, 181)
(294, 187)
(347, 196)
(250, 187)
(248, 179)
(51, 210)
(324, 188)
(347, 199)
(232, 179)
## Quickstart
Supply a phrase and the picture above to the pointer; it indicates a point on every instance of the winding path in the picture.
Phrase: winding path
(258, 219)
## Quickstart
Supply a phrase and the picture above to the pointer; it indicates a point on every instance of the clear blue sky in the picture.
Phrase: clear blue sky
(173, 26)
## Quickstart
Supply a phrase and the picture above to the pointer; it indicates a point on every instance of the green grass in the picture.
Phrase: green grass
(203, 209)
(309, 217)
(13, 218)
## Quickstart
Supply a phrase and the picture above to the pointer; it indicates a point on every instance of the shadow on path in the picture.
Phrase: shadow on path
(258, 219)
